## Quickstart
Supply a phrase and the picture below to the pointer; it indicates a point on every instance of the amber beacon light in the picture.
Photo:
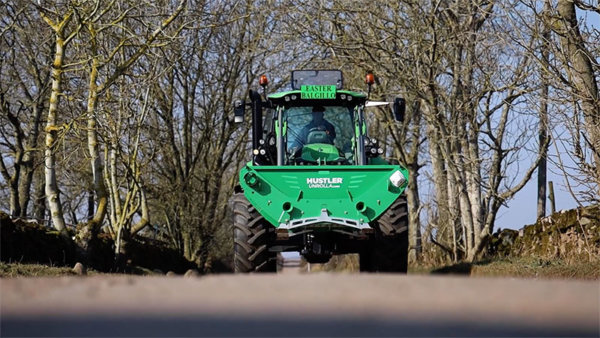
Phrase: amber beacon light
(263, 80)
(369, 80)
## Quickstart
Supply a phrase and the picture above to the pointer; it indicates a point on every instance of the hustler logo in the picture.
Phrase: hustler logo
(324, 182)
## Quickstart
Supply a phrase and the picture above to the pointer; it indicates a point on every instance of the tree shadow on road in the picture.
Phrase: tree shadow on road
(462, 268)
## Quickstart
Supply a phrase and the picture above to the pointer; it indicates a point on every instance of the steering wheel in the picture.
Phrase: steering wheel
(316, 135)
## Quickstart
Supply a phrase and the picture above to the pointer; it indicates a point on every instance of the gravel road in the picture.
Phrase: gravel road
(298, 305)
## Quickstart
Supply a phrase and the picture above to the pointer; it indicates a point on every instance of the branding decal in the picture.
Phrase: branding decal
(324, 182)
(308, 92)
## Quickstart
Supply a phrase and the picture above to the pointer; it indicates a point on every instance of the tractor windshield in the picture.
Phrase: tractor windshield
(328, 129)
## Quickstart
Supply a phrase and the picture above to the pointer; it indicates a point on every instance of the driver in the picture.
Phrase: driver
(318, 123)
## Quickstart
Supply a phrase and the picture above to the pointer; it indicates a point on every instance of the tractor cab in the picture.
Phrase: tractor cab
(318, 132)
(315, 123)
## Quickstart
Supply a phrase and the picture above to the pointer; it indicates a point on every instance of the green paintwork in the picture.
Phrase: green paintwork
(321, 152)
(281, 95)
(377, 161)
(316, 92)
(284, 129)
(309, 189)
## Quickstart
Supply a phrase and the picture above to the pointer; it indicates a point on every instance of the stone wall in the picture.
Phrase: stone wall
(568, 235)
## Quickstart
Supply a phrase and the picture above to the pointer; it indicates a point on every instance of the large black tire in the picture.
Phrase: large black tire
(387, 251)
(252, 235)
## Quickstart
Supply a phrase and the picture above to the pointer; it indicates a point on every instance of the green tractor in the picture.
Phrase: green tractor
(316, 183)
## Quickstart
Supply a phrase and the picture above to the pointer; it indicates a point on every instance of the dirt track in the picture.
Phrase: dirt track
(298, 305)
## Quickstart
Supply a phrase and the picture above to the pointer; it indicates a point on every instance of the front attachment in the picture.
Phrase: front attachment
(322, 197)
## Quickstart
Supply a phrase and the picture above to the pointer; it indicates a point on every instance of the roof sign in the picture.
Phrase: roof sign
(312, 92)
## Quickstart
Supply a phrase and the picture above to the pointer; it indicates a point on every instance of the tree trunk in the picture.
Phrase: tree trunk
(39, 197)
(412, 191)
(25, 185)
(583, 77)
(543, 126)
(95, 159)
(440, 179)
(187, 245)
(52, 192)
(13, 184)
(28, 160)
(414, 229)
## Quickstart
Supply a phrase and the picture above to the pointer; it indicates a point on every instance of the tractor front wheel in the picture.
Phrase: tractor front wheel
(252, 235)
(387, 251)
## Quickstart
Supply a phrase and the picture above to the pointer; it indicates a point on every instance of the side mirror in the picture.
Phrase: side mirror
(239, 109)
(399, 109)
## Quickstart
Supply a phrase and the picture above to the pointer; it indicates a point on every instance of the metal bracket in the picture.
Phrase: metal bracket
(326, 220)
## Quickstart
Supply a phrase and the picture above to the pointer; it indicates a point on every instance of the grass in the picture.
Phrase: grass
(537, 268)
(505, 267)
(11, 270)
(33, 270)
(527, 267)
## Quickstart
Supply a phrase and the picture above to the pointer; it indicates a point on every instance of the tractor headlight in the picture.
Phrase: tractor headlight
(397, 179)
(251, 179)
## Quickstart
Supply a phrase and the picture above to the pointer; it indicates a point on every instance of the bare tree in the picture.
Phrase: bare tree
(23, 90)
(111, 58)
(543, 128)
(581, 80)
(63, 34)
(98, 63)
(200, 147)
(127, 158)
(467, 100)
(114, 41)
(568, 49)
